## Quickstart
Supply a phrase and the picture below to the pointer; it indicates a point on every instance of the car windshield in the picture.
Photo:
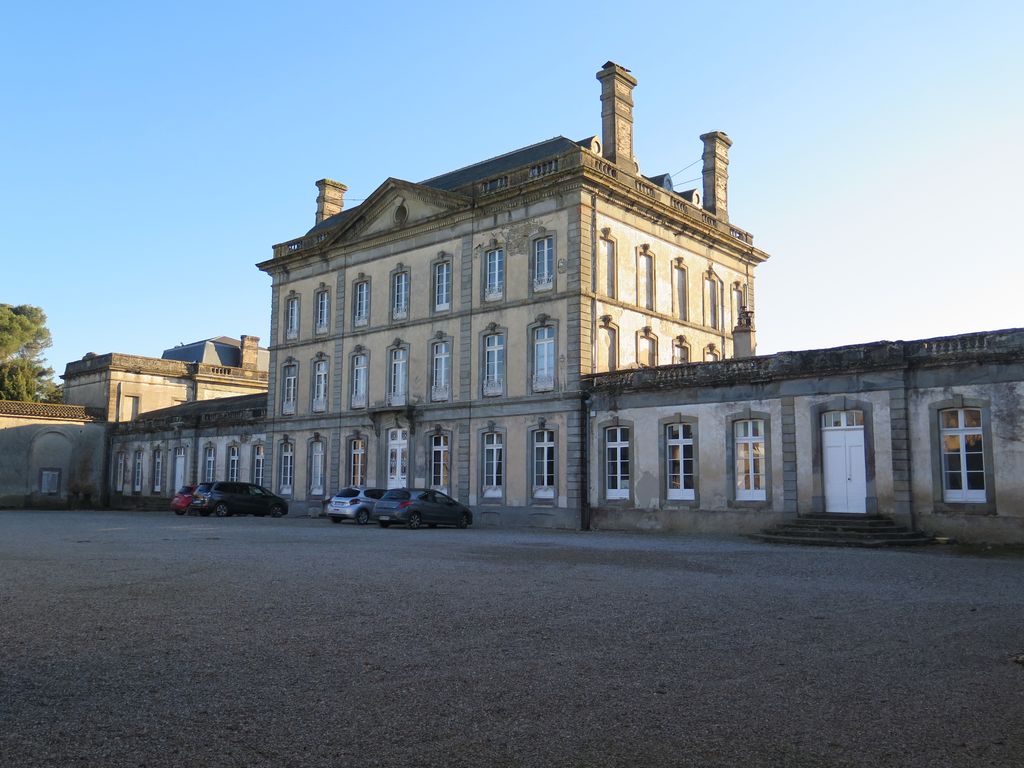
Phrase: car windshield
(185, 489)
(204, 487)
(397, 494)
(347, 493)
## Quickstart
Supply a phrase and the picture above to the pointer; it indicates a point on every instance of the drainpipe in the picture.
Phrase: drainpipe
(585, 461)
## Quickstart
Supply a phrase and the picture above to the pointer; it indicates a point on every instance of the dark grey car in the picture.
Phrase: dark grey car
(225, 499)
(420, 506)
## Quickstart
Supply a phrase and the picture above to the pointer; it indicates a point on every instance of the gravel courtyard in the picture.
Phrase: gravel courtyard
(144, 639)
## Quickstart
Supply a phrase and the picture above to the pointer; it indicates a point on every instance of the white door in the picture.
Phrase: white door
(398, 457)
(179, 468)
(842, 447)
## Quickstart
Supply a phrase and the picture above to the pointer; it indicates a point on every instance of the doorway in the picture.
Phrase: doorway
(844, 476)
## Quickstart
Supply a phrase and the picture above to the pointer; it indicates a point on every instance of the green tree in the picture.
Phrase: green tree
(23, 371)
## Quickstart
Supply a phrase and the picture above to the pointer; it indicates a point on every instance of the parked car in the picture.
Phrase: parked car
(420, 506)
(225, 499)
(353, 503)
(182, 498)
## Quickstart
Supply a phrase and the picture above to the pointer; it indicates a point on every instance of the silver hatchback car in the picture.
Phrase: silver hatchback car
(353, 504)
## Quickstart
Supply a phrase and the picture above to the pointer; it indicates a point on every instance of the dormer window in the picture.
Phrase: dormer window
(493, 185)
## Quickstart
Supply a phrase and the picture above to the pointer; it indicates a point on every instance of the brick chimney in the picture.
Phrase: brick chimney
(331, 199)
(716, 173)
(250, 352)
(617, 116)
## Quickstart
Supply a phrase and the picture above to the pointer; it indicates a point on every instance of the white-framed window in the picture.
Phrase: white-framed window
(544, 358)
(233, 463)
(750, 459)
(494, 465)
(645, 281)
(357, 461)
(258, 458)
(440, 370)
(679, 465)
(292, 318)
(137, 473)
(323, 311)
(616, 462)
(400, 296)
(120, 470)
(494, 364)
(209, 464)
(712, 314)
(609, 269)
(679, 291)
(680, 351)
(963, 455)
(442, 286)
(544, 263)
(544, 464)
(711, 355)
(360, 374)
(440, 455)
(494, 275)
(316, 468)
(320, 368)
(398, 375)
(158, 470)
(287, 467)
(289, 388)
(361, 303)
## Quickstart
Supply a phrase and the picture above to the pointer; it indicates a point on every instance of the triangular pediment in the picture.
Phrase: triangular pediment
(397, 205)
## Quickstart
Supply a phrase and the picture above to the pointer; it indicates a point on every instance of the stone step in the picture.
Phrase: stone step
(827, 541)
(843, 531)
(889, 533)
(863, 522)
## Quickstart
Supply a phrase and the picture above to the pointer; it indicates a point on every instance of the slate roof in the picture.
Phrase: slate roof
(220, 350)
(502, 163)
(49, 410)
(487, 169)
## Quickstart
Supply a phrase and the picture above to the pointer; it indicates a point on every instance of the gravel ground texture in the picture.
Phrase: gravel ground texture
(145, 639)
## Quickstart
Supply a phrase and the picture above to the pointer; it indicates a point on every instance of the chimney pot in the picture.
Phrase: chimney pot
(331, 199)
(617, 116)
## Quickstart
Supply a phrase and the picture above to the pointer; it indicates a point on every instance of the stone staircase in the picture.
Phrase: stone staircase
(843, 531)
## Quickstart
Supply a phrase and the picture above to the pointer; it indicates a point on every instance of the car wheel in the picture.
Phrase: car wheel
(464, 520)
(179, 511)
(334, 518)
(382, 524)
(362, 517)
(276, 511)
(415, 520)
(221, 510)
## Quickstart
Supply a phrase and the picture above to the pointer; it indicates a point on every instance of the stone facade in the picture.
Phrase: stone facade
(123, 386)
(52, 455)
(436, 334)
(154, 455)
(892, 405)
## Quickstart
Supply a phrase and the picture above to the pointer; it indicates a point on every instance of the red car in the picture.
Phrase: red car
(181, 500)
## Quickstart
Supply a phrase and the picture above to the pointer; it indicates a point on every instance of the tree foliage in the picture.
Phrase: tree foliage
(23, 371)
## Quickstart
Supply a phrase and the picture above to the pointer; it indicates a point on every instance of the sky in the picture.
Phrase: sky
(151, 154)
